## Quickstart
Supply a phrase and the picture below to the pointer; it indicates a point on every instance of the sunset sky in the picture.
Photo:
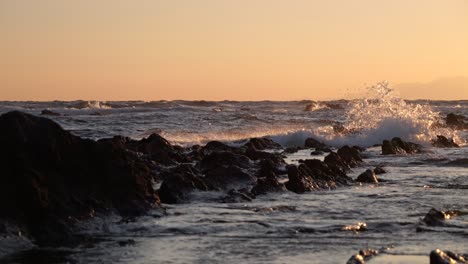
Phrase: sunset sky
(231, 49)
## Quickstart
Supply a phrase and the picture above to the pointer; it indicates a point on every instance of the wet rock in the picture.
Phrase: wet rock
(159, 149)
(49, 113)
(363, 256)
(317, 153)
(367, 177)
(224, 158)
(379, 170)
(228, 177)
(334, 160)
(455, 121)
(350, 155)
(291, 150)
(398, 146)
(267, 180)
(446, 257)
(179, 183)
(216, 146)
(299, 180)
(437, 218)
(313, 143)
(262, 144)
(51, 178)
(443, 142)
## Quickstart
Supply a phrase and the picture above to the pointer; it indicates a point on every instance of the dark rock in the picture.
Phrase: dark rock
(237, 196)
(443, 142)
(446, 257)
(291, 150)
(317, 153)
(455, 121)
(437, 218)
(179, 183)
(335, 160)
(363, 256)
(224, 158)
(50, 177)
(158, 149)
(49, 113)
(379, 170)
(313, 143)
(398, 146)
(367, 177)
(228, 177)
(262, 144)
(299, 180)
(217, 146)
(262, 155)
(350, 155)
(267, 180)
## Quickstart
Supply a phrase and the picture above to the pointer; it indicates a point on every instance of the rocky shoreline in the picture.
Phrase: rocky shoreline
(52, 180)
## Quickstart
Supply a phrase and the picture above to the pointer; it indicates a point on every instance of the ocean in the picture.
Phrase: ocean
(315, 227)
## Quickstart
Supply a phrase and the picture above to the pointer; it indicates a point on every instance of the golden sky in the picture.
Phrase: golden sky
(231, 49)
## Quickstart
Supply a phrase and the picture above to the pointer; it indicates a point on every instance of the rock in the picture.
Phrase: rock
(367, 177)
(299, 180)
(262, 144)
(313, 143)
(158, 149)
(49, 113)
(51, 178)
(379, 170)
(362, 256)
(455, 121)
(350, 155)
(398, 146)
(440, 257)
(443, 142)
(179, 183)
(237, 196)
(228, 177)
(217, 146)
(224, 158)
(334, 160)
(292, 150)
(437, 218)
(317, 153)
(267, 180)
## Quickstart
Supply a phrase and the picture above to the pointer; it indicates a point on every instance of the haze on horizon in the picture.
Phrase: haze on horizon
(237, 50)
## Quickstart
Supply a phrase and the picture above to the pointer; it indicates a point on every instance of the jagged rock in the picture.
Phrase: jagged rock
(335, 160)
(446, 257)
(299, 180)
(262, 144)
(267, 179)
(443, 142)
(179, 183)
(350, 155)
(398, 146)
(50, 177)
(313, 143)
(159, 149)
(224, 158)
(367, 177)
(216, 146)
(228, 177)
(49, 113)
(455, 121)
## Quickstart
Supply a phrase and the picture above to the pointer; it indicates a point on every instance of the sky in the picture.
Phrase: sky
(231, 49)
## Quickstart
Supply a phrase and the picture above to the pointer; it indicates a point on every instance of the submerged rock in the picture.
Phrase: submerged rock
(443, 142)
(398, 146)
(50, 177)
(446, 257)
(367, 177)
(437, 218)
(379, 170)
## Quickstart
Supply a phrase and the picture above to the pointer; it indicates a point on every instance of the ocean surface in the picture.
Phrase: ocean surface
(316, 227)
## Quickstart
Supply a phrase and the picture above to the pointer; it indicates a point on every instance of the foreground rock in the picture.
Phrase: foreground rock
(446, 257)
(367, 177)
(398, 146)
(51, 178)
(443, 142)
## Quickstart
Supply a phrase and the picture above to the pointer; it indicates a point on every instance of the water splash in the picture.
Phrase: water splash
(384, 115)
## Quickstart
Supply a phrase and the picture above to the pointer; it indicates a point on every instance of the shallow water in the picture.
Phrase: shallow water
(316, 227)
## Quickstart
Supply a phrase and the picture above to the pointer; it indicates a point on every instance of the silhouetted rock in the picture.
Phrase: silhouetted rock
(262, 144)
(336, 161)
(158, 149)
(224, 158)
(455, 121)
(179, 183)
(436, 218)
(367, 177)
(313, 143)
(443, 142)
(299, 179)
(350, 155)
(50, 177)
(228, 177)
(49, 113)
(267, 180)
(379, 170)
(446, 257)
(398, 146)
